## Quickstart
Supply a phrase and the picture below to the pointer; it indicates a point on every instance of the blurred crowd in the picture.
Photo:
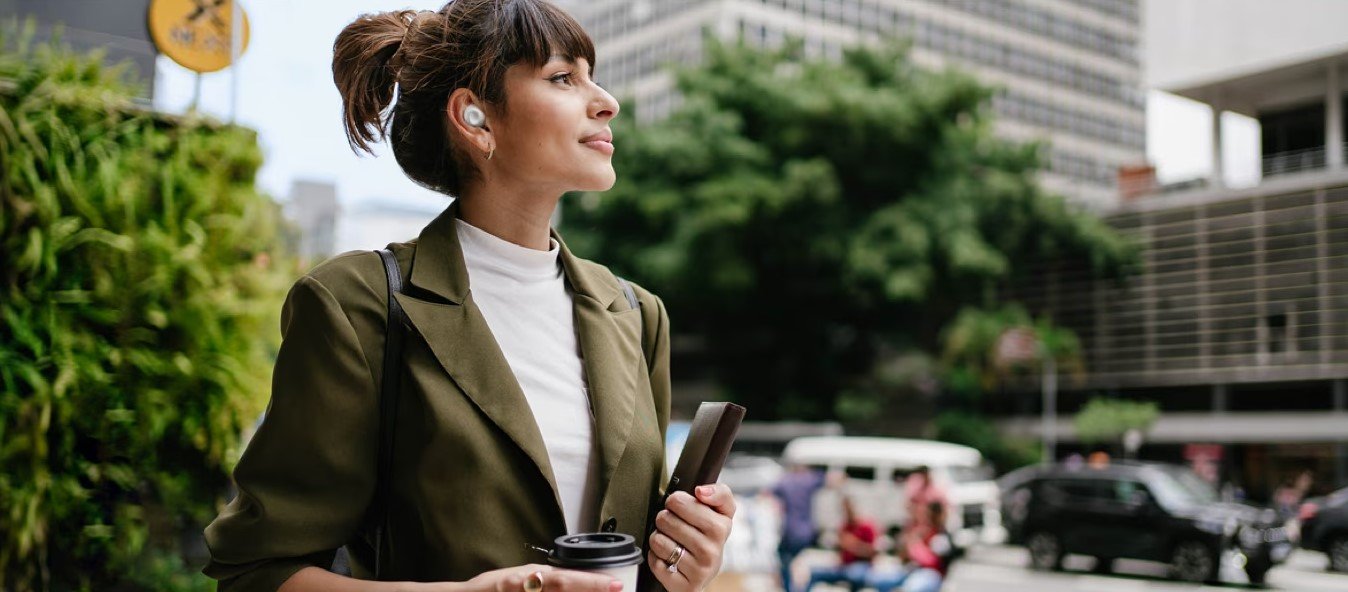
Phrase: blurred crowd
(920, 549)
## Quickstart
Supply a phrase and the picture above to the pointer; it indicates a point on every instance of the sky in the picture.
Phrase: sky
(285, 92)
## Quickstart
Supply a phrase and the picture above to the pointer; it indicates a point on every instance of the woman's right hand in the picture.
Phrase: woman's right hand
(512, 579)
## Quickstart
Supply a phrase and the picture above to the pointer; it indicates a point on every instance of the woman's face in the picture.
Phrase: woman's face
(555, 135)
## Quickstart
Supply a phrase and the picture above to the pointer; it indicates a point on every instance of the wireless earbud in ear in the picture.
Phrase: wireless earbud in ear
(474, 116)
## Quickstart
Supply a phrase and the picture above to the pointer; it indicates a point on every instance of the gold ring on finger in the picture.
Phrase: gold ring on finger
(674, 558)
(534, 583)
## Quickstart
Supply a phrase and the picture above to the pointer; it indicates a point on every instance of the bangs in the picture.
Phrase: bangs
(536, 31)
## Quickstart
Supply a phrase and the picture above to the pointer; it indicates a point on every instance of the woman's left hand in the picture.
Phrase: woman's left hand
(700, 526)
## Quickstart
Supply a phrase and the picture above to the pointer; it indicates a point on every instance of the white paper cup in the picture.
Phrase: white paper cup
(627, 575)
(610, 553)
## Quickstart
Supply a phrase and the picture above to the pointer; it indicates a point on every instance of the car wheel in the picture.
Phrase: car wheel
(1046, 551)
(1337, 549)
(1193, 561)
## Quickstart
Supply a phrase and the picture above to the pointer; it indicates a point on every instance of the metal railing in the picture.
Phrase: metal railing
(1295, 161)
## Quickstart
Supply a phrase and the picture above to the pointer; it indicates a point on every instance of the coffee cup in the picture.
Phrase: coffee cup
(611, 553)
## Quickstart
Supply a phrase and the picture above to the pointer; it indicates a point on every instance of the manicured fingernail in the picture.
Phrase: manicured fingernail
(615, 586)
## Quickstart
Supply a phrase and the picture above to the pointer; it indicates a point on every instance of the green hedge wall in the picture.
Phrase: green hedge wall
(140, 279)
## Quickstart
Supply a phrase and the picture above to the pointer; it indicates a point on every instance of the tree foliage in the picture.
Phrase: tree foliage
(1105, 420)
(979, 432)
(804, 217)
(969, 341)
(139, 287)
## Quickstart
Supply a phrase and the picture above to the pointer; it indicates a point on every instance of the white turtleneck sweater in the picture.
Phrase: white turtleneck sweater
(522, 293)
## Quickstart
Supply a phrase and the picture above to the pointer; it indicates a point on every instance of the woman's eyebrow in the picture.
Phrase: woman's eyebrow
(569, 60)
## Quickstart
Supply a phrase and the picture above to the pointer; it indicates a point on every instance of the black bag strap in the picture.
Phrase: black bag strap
(395, 336)
(635, 304)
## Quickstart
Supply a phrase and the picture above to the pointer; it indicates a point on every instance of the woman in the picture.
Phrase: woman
(533, 397)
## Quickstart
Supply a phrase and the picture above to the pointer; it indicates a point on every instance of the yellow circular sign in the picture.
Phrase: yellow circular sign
(198, 34)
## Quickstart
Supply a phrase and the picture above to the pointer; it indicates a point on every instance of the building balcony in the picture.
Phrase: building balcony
(1295, 161)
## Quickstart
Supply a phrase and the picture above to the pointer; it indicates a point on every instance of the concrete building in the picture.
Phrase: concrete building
(1237, 324)
(313, 208)
(1069, 71)
(374, 225)
(1280, 62)
(116, 26)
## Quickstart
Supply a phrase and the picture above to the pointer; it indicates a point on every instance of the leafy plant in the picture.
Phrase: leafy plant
(1105, 420)
(140, 281)
(970, 340)
(977, 431)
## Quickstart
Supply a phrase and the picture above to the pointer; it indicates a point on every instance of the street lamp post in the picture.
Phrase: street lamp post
(1021, 345)
(1049, 385)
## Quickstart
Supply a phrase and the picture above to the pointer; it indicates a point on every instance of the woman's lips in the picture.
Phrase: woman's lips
(600, 145)
(601, 141)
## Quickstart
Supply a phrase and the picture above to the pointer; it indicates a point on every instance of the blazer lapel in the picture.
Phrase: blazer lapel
(462, 342)
(610, 344)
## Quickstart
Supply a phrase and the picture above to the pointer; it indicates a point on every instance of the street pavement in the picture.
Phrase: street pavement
(1002, 569)
(751, 557)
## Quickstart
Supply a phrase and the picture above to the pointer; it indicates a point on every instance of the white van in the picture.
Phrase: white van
(875, 470)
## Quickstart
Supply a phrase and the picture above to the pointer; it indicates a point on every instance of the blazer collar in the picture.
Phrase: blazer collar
(458, 336)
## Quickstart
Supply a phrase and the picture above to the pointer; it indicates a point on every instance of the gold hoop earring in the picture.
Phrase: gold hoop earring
(493, 151)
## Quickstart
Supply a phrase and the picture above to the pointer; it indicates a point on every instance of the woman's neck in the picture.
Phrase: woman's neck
(505, 215)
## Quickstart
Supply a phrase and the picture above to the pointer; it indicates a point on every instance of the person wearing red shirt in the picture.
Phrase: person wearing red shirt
(925, 549)
(856, 548)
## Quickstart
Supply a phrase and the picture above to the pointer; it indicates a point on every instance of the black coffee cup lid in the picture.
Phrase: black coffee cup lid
(595, 550)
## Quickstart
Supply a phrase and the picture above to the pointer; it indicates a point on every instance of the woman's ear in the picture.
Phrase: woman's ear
(456, 110)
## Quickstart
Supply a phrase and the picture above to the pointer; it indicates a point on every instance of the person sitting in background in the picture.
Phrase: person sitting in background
(856, 549)
(919, 491)
(1288, 497)
(925, 549)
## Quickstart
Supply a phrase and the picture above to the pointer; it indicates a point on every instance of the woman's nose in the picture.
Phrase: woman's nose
(605, 106)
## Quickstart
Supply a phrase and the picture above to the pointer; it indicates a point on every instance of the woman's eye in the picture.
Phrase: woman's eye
(564, 77)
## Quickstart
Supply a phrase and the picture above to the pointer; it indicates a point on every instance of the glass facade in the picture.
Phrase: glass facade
(1230, 289)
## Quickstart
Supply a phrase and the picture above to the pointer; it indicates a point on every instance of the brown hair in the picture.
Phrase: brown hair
(424, 56)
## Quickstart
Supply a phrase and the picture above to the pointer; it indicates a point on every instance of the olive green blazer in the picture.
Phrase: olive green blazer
(471, 484)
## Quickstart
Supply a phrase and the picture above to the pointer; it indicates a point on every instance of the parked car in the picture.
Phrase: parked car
(1324, 527)
(876, 467)
(1145, 511)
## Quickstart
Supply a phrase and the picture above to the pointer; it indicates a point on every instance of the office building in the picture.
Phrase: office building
(314, 210)
(1069, 71)
(1237, 324)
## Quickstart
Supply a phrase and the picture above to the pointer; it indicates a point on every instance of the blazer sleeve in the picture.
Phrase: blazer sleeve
(308, 475)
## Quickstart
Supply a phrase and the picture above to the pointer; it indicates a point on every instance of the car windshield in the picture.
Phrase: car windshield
(1178, 487)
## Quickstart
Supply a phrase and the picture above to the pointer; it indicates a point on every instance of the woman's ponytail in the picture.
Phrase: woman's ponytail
(362, 67)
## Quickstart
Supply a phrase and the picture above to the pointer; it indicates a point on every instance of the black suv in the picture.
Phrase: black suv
(1152, 512)
(1324, 528)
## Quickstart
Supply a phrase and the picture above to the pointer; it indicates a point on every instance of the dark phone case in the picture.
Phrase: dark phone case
(709, 439)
